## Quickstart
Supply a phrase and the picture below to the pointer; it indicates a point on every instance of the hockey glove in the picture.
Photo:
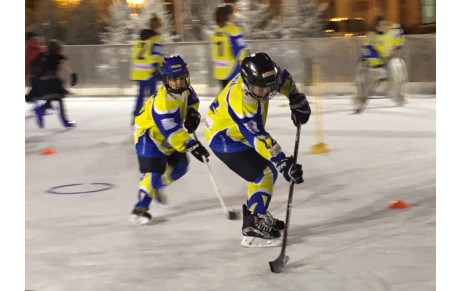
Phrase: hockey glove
(74, 79)
(300, 109)
(198, 151)
(290, 170)
(157, 75)
(192, 121)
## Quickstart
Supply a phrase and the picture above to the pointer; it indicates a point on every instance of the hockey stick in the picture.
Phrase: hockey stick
(230, 214)
(277, 265)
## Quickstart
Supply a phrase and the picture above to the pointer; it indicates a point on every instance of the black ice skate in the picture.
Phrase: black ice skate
(140, 216)
(258, 230)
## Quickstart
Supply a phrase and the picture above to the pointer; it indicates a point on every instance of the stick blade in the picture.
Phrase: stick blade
(232, 215)
(277, 266)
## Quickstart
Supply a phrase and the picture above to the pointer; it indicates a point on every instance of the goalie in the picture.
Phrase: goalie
(381, 61)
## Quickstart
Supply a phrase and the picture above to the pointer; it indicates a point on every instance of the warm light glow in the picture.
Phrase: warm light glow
(67, 2)
(135, 2)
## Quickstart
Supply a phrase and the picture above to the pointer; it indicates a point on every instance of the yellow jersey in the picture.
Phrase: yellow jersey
(235, 121)
(396, 33)
(147, 56)
(162, 118)
(376, 48)
(228, 49)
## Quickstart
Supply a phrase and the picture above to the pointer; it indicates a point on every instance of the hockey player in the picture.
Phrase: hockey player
(160, 138)
(381, 62)
(228, 47)
(146, 58)
(235, 131)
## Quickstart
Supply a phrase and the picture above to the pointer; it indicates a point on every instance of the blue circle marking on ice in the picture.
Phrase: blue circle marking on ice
(58, 189)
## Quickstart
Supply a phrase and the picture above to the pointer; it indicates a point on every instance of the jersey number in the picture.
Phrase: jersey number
(140, 56)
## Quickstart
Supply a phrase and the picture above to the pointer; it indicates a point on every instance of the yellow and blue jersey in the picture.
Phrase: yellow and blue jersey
(396, 33)
(147, 56)
(376, 48)
(235, 121)
(159, 127)
(228, 49)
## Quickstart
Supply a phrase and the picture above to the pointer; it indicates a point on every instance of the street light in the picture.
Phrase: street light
(135, 4)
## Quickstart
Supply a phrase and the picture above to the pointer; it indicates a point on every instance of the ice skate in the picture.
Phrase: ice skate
(140, 216)
(268, 217)
(258, 230)
(66, 122)
(39, 112)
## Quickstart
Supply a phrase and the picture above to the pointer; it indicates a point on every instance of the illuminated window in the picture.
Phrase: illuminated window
(428, 11)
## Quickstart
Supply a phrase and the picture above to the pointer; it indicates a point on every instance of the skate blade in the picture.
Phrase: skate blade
(139, 220)
(256, 242)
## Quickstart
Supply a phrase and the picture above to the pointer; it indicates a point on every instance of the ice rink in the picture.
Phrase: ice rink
(342, 233)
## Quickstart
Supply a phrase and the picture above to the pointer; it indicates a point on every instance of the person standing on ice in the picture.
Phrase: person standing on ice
(235, 132)
(146, 58)
(160, 138)
(228, 47)
(381, 61)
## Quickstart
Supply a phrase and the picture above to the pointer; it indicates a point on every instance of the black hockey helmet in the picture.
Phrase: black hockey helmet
(259, 70)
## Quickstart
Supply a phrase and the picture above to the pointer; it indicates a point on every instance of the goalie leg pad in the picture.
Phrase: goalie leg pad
(398, 79)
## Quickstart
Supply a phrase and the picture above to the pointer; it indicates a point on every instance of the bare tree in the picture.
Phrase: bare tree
(83, 27)
(46, 21)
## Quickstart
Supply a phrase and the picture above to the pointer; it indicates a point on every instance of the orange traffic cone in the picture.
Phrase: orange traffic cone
(47, 152)
(399, 204)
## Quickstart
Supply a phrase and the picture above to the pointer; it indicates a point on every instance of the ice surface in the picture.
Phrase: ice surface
(342, 235)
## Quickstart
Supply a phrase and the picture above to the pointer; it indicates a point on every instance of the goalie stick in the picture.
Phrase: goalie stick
(277, 265)
(230, 214)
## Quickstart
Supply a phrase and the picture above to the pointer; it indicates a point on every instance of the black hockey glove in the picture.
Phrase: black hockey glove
(73, 79)
(300, 109)
(192, 121)
(290, 170)
(198, 151)
(157, 76)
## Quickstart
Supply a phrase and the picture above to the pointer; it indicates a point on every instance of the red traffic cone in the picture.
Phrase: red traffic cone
(399, 204)
(47, 152)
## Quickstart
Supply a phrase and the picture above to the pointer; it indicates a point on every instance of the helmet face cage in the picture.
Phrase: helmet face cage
(174, 67)
(259, 70)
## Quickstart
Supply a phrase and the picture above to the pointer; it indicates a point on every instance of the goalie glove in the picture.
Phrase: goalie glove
(300, 109)
(290, 170)
(198, 151)
(192, 121)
